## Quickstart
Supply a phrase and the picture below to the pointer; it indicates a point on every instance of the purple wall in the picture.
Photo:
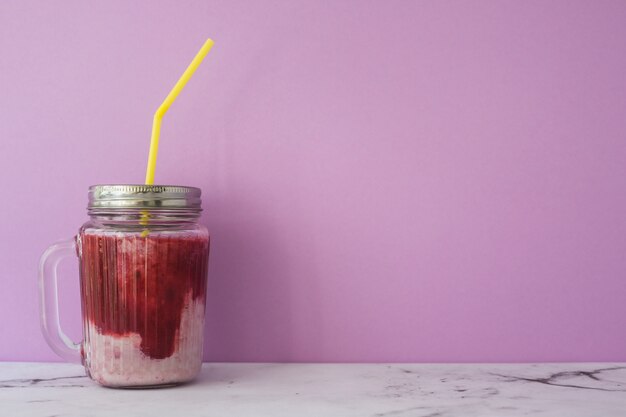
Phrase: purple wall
(384, 181)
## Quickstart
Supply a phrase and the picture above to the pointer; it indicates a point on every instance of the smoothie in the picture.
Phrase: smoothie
(143, 302)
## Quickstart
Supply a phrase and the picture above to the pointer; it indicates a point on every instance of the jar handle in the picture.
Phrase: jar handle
(60, 343)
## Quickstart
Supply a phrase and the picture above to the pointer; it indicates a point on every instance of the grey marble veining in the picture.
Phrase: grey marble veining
(371, 390)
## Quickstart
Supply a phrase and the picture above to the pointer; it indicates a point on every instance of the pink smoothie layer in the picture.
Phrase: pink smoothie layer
(119, 360)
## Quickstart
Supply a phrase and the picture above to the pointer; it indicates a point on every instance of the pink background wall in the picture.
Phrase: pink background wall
(384, 181)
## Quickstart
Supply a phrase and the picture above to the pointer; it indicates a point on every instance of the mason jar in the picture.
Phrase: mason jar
(143, 262)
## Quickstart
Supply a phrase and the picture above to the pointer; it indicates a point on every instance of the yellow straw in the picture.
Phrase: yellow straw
(158, 116)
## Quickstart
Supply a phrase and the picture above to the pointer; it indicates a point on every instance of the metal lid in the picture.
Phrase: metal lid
(140, 196)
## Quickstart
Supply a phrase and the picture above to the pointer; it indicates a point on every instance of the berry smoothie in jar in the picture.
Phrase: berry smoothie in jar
(143, 273)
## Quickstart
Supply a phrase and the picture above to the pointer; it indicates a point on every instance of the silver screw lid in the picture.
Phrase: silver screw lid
(140, 196)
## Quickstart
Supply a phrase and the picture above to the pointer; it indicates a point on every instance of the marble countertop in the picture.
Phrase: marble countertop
(373, 390)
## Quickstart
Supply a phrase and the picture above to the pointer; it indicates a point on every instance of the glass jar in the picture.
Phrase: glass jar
(143, 262)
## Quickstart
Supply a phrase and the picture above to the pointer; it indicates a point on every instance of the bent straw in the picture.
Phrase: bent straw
(164, 107)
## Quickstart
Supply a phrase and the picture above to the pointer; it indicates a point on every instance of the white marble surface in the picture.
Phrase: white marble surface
(375, 390)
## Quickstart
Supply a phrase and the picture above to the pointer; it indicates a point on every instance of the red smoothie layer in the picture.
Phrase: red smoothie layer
(134, 284)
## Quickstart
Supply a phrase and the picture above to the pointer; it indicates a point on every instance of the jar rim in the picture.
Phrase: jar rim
(142, 196)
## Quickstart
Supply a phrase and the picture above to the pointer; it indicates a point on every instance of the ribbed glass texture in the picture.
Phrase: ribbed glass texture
(143, 297)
